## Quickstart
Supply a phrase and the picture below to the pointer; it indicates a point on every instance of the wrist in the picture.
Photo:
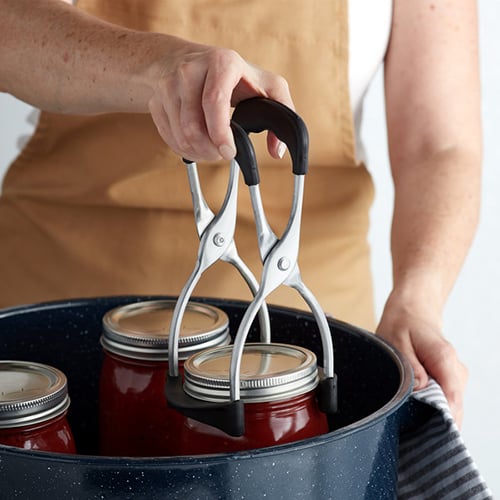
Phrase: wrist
(423, 284)
(144, 70)
(417, 298)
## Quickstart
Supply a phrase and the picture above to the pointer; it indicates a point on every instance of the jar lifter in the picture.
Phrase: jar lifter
(279, 257)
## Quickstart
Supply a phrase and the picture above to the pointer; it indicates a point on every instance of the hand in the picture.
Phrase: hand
(191, 104)
(416, 331)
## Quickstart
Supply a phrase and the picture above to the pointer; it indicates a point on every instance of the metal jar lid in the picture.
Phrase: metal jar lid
(140, 330)
(269, 372)
(30, 393)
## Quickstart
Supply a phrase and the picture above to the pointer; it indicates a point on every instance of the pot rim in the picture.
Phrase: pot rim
(392, 406)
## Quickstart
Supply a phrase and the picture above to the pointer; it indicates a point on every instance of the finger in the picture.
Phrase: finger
(192, 124)
(162, 123)
(276, 148)
(164, 107)
(420, 376)
(221, 79)
(171, 91)
(453, 390)
(452, 376)
(275, 87)
(404, 345)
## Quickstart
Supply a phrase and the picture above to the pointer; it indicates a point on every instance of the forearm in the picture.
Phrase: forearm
(57, 58)
(434, 128)
(435, 216)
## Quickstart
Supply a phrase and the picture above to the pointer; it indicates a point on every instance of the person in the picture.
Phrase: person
(97, 203)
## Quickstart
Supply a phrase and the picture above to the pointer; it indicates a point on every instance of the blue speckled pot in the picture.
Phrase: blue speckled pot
(357, 459)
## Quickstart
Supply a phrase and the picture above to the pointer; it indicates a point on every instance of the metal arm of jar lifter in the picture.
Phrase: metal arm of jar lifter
(280, 265)
(204, 217)
(216, 233)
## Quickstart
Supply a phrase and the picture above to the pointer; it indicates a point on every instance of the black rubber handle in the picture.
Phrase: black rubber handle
(259, 114)
(228, 417)
(245, 153)
(328, 395)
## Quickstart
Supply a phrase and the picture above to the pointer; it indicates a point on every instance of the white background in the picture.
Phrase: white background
(471, 322)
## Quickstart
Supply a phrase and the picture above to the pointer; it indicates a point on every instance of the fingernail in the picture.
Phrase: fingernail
(227, 152)
(416, 384)
(281, 149)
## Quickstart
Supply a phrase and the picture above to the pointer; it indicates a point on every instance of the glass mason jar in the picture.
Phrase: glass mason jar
(277, 386)
(134, 419)
(33, 405)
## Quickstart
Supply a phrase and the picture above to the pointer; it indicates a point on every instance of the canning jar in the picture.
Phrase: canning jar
(134, 419)
(277, 386)
(33, 405)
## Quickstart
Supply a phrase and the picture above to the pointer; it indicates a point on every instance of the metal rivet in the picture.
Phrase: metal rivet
(283, 264)
(219, 240)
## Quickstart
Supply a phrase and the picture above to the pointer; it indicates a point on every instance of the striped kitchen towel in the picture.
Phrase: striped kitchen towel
(434, 462)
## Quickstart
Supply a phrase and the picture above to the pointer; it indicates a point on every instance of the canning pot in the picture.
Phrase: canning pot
(357, 459)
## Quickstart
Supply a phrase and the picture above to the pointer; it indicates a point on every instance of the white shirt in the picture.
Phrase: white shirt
(369, 32)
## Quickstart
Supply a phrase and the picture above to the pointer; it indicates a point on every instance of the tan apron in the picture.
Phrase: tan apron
(98, 205)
